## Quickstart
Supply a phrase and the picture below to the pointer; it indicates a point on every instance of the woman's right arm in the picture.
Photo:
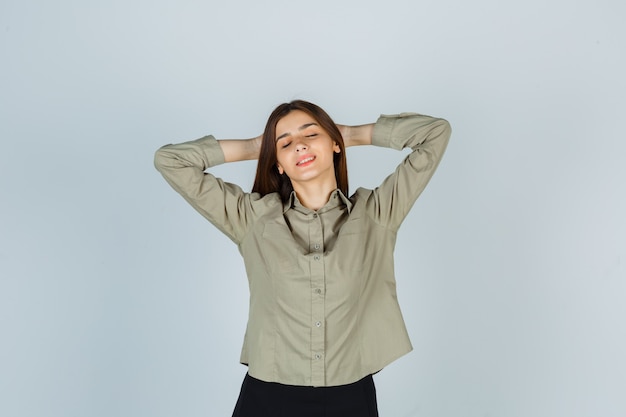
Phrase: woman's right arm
(240, 150)
(224, 204)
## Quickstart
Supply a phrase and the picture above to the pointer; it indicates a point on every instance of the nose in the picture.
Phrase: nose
(301, 145)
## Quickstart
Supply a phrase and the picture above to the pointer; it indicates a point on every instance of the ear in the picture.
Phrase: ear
(336, 148)
(280, 169)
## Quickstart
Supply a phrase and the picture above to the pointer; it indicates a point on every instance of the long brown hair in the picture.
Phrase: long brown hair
(268, 179)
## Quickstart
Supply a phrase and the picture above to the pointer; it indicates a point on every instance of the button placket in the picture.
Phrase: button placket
(317, 282)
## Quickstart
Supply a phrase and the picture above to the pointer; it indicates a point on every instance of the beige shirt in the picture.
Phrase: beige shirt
(323, 304)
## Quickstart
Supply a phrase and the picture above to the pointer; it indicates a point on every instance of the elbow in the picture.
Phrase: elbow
(445, 127)
(441, 132)
(160, 159)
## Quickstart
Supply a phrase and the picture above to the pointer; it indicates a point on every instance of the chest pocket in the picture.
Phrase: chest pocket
(352, 245)
(280, 251)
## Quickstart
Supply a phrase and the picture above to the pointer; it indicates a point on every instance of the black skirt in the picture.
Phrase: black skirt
(269, 399)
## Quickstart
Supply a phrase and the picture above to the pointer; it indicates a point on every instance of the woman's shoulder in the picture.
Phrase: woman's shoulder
(265, 203)
(360, 196)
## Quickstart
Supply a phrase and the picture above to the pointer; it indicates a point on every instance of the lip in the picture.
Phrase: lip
(304, 158)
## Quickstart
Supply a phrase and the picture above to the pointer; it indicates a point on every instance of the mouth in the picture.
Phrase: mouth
(306, 160)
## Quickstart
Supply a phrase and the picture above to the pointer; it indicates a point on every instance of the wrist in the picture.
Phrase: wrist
(361, 135)
(254, 147)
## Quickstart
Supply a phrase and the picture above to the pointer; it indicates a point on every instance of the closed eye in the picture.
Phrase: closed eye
(286, 144)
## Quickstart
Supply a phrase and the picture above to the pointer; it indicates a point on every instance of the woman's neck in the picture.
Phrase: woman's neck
(314, 195)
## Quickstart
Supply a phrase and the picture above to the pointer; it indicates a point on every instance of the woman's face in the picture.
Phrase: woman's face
(304, 150)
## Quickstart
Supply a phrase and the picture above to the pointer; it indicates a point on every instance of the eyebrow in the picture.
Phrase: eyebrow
(304, 126)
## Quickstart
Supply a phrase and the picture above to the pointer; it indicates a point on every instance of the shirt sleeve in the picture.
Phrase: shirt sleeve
(224, 204)
(427, 137)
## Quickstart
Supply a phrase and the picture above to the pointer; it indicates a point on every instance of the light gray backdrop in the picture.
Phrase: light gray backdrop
(117, 299)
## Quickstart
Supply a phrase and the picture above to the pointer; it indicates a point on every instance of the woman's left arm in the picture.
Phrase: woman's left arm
(426, 136)
(357, 135)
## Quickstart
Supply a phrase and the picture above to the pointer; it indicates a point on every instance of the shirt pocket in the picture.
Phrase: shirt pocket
(351, 246)
(280, 250)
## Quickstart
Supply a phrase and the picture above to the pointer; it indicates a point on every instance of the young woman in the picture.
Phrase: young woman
(323, 312)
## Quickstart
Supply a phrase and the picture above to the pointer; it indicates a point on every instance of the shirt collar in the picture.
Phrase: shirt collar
(337, 198)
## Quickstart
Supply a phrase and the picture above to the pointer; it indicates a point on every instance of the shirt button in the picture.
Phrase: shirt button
(315, 215)
(318, 291)
(316, 257)
(318, 324)
(318, 356)
(316, 246)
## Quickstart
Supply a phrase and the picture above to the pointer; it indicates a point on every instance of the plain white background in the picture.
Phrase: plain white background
(117, 299)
